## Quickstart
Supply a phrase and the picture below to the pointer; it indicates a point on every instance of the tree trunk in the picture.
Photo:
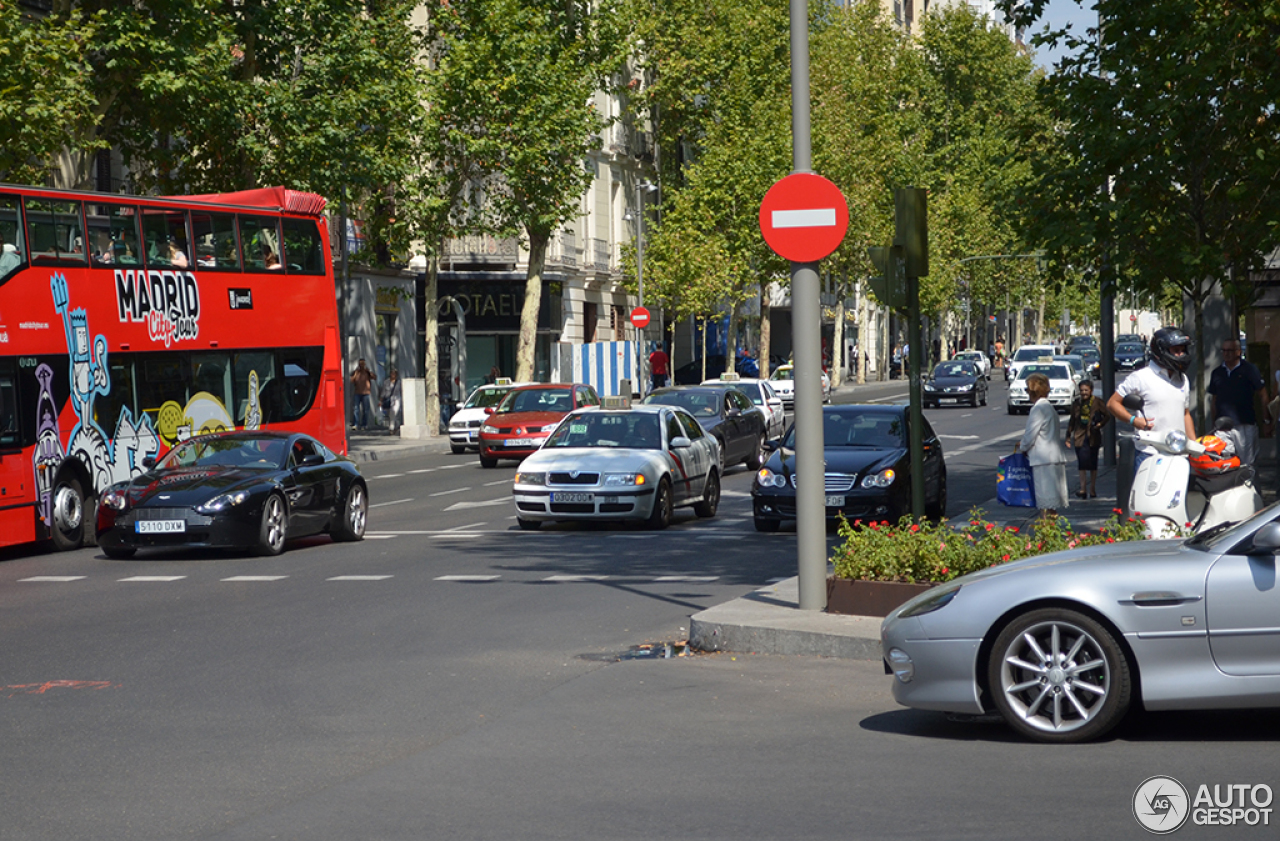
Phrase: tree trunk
(704, 350)
(731, 342)
(765, 330)
(1040, 320)
(431, 353)
(528, 342)
(1201, 413)
(837, 341)
(860, 364)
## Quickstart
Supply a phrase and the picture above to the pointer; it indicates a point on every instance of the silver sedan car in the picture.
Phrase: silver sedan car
(632, 463)
(1062, 645)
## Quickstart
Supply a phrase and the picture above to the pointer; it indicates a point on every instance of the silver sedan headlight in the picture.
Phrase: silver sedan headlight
(531, 478)
(618, 480)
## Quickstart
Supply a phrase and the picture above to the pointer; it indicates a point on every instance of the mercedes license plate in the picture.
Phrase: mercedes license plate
(160, 526)
(572, 497)
(835, 501)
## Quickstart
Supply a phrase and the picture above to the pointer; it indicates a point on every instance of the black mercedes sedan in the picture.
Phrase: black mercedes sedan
(868, 469)
(726, 414)
(235, 490)
(955, 383)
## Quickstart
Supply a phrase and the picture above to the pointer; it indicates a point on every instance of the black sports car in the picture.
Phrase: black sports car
(868, 469)
(955, 382)
(726, 414)
(239, 490)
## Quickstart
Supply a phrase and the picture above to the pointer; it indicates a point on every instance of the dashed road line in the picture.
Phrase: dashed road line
(386, 476)
(392, 502)
(488, 503)
(52, 579)
(359, 578)
(662, 579)
(240, 578)
(499, 482)
(468, 579)
(570, 579)
(451, 491)
(153, 578)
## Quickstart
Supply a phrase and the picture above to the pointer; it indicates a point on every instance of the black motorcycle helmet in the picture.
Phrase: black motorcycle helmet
(1172, 348)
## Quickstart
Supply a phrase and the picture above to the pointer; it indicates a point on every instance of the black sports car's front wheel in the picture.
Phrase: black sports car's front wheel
(1057, 675)
(273, 526)
(355, 514)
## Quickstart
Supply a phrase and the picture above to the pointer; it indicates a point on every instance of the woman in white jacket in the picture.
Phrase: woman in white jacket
(1042, 442)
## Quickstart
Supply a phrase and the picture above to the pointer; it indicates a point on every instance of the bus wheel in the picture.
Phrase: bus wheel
(68, 514)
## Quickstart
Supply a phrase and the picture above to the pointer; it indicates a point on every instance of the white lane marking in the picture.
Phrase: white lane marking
(424, 470)
(256, 578)
(368, 536)
(54, 579)
(359, 578)
(392, 502)
(457, 529)
(961, 437)
(703, 578)
(735, 494)
(416, 532)
(453, 491)
(569, 579)
(468, 578)
(987, 443)
(815, 217)
(387, 476)
(462, 506)
(154, 578)
(968, 415)
(453, 466)
(499, 482)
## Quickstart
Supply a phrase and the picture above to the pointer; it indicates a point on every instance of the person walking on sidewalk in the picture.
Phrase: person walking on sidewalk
(1084, 435)
(1042, 442)
(362, 380)
(1231, 388)
(390, 400)
(1164, 389)
(658, 363)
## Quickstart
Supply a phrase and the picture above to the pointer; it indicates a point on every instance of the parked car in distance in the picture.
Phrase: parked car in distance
(727, 415)
(465, 423)
(954, 383)
(526, 416)
(235, 490)
(637, 462)
(1063, 645)
(868, 468)
(978, 358)
(1061, 386)
(1130, 356)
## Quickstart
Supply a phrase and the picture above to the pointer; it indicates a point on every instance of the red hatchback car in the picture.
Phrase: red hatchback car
(526, 416)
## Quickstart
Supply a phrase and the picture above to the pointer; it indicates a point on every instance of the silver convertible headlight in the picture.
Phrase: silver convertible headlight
(222, 502)
(935, 599)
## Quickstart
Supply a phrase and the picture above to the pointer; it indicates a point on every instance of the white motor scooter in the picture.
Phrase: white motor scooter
(1171, 498)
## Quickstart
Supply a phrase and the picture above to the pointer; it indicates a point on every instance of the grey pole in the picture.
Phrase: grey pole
(806, 319)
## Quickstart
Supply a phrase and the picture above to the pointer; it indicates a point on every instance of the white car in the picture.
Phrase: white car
(978, 358)
(762, 396)
(1061, 386)
(464, 424)
(632, 463)
(783, 382)
(1025, 355)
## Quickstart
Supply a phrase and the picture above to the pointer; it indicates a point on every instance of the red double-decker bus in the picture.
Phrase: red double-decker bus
(129, 323)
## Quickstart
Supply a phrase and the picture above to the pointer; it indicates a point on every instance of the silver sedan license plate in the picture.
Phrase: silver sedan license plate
(160, 526)
(835, 501)
(572, 497)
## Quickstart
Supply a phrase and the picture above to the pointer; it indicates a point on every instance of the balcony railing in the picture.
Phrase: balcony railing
(562, 250)
(600, 255)
(482, 249)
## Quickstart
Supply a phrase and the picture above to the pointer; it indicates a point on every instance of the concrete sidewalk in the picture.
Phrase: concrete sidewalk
(379, 445)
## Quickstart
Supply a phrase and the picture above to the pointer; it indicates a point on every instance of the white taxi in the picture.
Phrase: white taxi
(1061, 385)
(762, 396)
(783, 382)
(978, 358)
(465, 423)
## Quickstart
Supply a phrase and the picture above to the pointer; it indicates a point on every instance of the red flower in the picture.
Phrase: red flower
(990, 526)
(945, 570)
(914, 528)
(1116, 511)
(875, 526)
(1111, 540)
(1005, 558)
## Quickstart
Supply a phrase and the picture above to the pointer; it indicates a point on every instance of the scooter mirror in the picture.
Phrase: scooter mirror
(1266, 540)
(1132, 402)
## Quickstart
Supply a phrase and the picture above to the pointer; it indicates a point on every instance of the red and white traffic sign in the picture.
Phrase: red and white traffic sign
(640, 318)
(804, 217)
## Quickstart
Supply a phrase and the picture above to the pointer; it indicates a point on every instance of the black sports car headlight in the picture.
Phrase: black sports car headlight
(115, 500)
(222, 502)
(934, 600)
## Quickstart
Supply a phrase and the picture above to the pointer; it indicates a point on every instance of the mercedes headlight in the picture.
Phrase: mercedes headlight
(883, 479)
(614, 480)
(766, 478)
(531, 478)
(222, 502)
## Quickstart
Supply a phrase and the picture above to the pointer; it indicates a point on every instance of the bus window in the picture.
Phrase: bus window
(161, 381)
(266, 402)
(113, 234)
(301, 369)
(165, 236)
(214, 241)
(260, 241)
(107, 408)
(12, 254)
(8, 412)
(55, 233)
(209, 374)
(303, 251)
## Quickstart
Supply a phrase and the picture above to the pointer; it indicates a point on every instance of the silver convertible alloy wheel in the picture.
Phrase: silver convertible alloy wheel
(1059, 676)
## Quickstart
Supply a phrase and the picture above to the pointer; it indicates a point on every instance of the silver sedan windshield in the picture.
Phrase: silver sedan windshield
(631, 430)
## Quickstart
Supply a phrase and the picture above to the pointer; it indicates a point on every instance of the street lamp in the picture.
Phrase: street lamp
(642, 187)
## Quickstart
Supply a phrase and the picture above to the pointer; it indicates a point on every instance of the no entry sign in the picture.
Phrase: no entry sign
(804, 217)
(640, 318)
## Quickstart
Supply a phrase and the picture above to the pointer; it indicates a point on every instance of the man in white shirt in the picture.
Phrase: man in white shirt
(1164, 389)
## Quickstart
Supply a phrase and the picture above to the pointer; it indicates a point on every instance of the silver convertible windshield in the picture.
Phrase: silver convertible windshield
(228, 452)
(630, 430)
(852, 428)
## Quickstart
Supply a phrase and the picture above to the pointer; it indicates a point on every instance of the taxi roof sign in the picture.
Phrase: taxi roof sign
(502, 381)
(616, 401)
(730, 377)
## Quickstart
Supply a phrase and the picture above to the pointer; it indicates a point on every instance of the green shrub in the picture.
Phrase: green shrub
(930, 552)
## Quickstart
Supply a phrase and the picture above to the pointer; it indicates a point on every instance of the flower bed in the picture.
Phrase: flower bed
(913, 552)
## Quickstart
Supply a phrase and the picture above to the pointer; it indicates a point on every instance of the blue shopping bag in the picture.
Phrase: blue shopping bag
(1014, 486)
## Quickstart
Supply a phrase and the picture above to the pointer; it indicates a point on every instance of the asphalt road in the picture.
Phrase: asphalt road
(452, 677)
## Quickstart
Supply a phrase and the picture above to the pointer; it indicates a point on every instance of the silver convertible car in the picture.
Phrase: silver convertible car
(1062, 645)
(632, 463)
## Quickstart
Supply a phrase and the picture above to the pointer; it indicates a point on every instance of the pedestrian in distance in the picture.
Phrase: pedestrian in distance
(1042, 442)
(1164, 389)
(658, 363)
(389, 398)
(1084, 435)
(1232, 386)
(362, 382)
